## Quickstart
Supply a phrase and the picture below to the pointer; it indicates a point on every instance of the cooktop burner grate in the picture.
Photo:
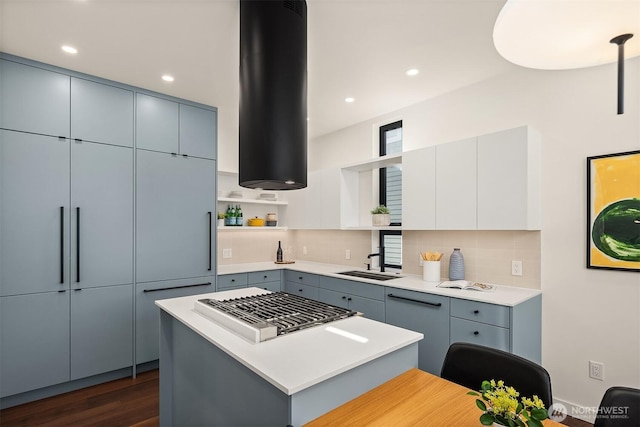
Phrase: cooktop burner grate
(278, 312)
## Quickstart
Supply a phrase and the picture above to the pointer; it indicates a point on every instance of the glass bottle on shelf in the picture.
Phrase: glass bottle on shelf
(239, 219)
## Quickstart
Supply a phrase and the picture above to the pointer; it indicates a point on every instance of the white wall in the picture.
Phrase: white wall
(587, 314)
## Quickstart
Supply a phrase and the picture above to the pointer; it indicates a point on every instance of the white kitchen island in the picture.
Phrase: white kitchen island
(211, 376)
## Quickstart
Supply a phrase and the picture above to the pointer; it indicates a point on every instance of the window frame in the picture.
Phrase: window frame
(382, 186)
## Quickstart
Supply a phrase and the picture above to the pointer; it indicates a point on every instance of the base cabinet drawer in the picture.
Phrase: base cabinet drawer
(491, 314)
(300, 277)
(269, 286)
(257, 277)
(148, 314)
(232, 281)
(302, 290)
(463, 330)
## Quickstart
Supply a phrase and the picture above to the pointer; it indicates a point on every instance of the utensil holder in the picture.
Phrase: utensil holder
(431, 271)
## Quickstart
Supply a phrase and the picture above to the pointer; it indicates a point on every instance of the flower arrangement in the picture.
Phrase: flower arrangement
(503, 407)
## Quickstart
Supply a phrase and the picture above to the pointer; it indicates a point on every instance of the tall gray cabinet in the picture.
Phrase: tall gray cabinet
(84, 215)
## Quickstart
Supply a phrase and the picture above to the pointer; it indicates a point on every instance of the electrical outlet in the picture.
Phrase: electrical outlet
(304, 250)
(226, 253)
(516, 268)
(596, 370)
(347, 254)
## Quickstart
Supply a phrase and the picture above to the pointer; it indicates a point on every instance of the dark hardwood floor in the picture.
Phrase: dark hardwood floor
(124, 402)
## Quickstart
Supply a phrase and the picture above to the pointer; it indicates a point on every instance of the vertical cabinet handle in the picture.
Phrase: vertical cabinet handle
(209, 213)
(61, 244)
(78, 244)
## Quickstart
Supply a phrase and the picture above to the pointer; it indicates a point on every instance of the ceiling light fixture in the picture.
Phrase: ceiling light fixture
(273, 95)
(413, 72)
(69, 49)
(561, 35)
(349, 100)
(167, 78)
(620, 41)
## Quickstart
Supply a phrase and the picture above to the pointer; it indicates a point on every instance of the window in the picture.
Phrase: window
(391, 193)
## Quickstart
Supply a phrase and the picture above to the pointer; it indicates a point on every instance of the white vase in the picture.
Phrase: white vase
(380, 220)
(431, 271)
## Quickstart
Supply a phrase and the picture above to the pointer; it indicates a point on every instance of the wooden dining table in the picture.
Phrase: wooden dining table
(415, 398)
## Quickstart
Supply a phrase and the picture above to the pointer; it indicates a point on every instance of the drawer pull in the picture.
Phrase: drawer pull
(433, 304)
(299, 290)
(233, 280)
(476, 333)
(300, 278)
(176, 287)
(265, 276)
(476, 311)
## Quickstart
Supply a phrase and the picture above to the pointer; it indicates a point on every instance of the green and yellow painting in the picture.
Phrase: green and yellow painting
(614, 211)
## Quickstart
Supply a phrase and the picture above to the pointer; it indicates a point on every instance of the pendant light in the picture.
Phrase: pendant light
(562, 35)
(273, 94)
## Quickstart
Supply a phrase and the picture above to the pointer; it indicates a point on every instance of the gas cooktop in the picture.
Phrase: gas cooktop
(266, 316)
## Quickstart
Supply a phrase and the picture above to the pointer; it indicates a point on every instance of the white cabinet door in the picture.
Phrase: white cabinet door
(509, 180)
(197, 132)
(318, 206)
(102, 202)
(176, 204)
(34, 213)
(419, 189)
(456, 182)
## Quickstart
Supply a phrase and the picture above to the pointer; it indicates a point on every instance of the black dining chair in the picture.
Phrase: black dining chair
(470, 364)
(620, 407)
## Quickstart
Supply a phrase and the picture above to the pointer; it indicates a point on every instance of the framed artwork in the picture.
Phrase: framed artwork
(613, 211)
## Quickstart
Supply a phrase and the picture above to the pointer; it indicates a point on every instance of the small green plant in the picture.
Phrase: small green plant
(504, 408)
(382, 209)
(220, 215)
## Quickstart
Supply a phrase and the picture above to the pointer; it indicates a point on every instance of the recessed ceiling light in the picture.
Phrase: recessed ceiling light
(69, 49)
(413, 72)
(167, 78)
(349, 99)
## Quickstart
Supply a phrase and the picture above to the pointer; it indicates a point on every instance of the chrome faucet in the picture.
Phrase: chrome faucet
(379, 254)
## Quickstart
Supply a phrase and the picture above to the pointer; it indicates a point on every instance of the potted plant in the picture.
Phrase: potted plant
(502, 406)
(380, 216)
(221, 219)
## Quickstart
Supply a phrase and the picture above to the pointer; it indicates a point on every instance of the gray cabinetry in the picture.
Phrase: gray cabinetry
(148, 314)
(33, 99)
(232, 281)
(101, 113)
(172, 127)
(425, 313)
(303, 284)
(270, 280)
(101, 330)
(366, 298)
(34, 216)
(197, 131)
(34, 341)
(102, 202)
(516, 329)
(176, 201)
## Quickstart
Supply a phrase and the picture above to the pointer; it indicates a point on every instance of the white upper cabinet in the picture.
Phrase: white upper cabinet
(33, 100)
(171, 127)
(419, 189)
(509, 180)
(101, 113)
(456, 195)
(319, 205)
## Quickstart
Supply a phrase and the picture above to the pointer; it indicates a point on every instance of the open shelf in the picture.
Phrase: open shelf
(248, 228)
(252, 201)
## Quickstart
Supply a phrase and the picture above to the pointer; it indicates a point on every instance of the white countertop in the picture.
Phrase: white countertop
(502, 295)
(301, 359)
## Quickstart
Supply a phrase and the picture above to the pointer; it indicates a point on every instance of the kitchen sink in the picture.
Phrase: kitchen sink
(369, 275)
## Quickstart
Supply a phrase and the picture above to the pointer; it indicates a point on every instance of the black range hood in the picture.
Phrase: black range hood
(273, 94)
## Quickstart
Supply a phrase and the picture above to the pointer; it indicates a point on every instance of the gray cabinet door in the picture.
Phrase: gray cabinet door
(198, 131)
(148, 314)
(34, 341)
(33, 99)
(306, 291)
(101, 113)
(34, 230)
(101, 330)
(176, 201)
(425, 313)
(102, 189)
(156, 124)
(370, 308)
